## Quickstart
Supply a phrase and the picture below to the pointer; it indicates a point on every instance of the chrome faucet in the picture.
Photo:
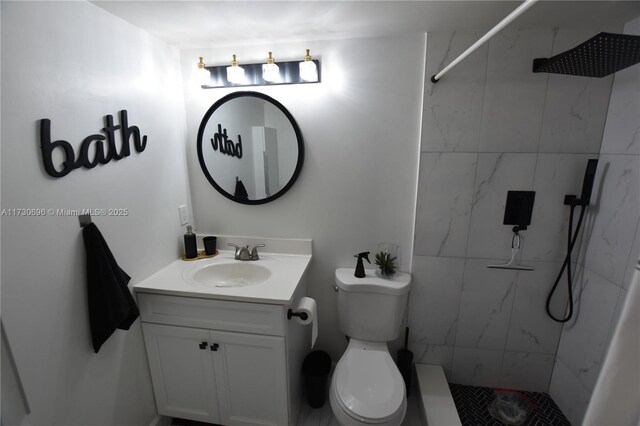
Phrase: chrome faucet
(254, 252)
(243, 253)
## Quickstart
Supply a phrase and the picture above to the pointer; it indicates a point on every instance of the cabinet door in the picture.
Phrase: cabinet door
(251, 379)
(182, 372)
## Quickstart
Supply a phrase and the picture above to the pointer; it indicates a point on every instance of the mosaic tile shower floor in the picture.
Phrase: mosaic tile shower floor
(472, 403)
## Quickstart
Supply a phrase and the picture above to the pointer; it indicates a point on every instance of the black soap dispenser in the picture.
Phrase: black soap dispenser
(360, 265)
(190, 247)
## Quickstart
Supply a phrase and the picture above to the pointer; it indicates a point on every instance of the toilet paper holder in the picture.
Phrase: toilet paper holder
(303, 315)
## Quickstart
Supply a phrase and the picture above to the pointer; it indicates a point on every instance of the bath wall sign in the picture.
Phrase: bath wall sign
(221, 142)
(93, 149)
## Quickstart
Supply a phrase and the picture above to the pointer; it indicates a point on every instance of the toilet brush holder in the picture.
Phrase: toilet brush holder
(405, 362)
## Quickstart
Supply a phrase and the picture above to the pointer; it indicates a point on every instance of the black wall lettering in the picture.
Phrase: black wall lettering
(128, 131)
(84, 160)
(104, 152)
(47, 148)
(109, 129)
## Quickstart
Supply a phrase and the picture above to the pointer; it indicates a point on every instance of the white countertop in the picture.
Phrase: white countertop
(286, 273)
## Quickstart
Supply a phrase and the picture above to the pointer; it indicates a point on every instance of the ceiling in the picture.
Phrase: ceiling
(197, 24)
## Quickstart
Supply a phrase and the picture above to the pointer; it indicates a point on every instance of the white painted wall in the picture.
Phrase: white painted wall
(361, 128)
(74, 63)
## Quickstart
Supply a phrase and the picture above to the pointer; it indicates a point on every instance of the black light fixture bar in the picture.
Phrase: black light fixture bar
(289, 74)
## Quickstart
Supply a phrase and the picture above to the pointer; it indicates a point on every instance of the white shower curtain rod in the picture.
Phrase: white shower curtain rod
(495, 30)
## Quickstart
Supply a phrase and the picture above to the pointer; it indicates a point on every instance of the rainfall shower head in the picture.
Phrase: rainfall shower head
(599, 56)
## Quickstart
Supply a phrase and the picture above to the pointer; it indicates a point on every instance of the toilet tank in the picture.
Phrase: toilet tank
(371, 308)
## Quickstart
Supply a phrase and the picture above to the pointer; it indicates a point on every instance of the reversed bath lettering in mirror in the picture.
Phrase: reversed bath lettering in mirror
(221, 142)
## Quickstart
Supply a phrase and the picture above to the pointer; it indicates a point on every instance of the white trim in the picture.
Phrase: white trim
(436, 402)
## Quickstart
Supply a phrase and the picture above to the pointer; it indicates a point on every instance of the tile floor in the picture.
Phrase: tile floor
(472, 403)
(324, 416)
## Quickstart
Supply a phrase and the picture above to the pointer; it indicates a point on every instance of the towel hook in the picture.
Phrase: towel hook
(84, 220)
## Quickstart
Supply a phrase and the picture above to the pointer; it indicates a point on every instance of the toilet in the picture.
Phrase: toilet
(367, 387)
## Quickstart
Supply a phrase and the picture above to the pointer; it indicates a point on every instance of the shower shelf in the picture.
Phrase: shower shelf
(601, 55)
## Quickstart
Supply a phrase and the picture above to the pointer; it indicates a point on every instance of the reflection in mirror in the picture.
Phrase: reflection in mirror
(250, 147)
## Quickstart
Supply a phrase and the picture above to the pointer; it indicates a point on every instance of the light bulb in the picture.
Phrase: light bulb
(270, 71)
(308, 69)
(235, 73)
(203, 75)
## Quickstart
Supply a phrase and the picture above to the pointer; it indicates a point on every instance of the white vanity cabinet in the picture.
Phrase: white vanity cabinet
(182, 372)
(219, 361)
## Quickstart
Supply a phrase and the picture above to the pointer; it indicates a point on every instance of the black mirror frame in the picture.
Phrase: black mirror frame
(296, 129)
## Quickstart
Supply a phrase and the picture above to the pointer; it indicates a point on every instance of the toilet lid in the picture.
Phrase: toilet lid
(369, 385)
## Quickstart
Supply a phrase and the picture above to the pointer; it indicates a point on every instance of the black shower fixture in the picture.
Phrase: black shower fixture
(587, 186)
(601, 55)
(572, 236)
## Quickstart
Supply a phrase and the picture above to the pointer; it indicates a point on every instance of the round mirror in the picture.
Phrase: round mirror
(250, 147)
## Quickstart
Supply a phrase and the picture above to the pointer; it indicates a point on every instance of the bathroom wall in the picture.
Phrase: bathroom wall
(74, 63)
(357, 187)
(610, 248)
(489, 126)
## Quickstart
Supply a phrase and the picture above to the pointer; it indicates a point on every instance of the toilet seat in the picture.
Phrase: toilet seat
(367, 385)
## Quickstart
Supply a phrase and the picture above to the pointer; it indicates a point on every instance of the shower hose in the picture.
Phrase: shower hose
(572, 237)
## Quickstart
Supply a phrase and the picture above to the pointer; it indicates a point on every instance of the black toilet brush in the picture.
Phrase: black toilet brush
(405, 362)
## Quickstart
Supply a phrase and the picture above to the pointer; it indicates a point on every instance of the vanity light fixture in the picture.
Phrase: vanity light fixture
(235, 73)
(261, 73)
(270, 71)
(308, 69)
(203, 76)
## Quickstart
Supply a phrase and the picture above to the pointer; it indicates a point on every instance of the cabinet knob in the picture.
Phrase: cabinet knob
(203, 345)
(214, 347)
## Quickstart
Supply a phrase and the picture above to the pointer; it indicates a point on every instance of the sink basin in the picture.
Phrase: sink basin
(273, 279)
(237, 274)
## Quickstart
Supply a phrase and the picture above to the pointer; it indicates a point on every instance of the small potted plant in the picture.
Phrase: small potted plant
(387, 260)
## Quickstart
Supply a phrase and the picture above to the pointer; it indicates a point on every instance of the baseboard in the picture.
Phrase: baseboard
(160, 421)
(436, 402)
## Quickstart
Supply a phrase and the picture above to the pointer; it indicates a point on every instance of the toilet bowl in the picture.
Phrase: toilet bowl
(367, 387)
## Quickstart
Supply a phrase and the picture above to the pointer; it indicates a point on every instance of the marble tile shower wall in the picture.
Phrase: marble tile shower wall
(491, 125)
(609, 251)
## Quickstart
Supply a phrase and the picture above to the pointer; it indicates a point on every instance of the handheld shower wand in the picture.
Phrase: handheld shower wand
(572, 201)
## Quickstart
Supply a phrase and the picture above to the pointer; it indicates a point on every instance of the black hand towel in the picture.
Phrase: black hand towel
(111, 305)
(241, 191)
